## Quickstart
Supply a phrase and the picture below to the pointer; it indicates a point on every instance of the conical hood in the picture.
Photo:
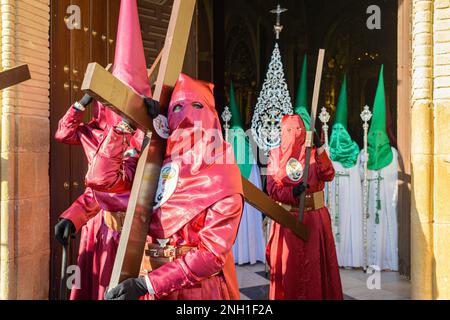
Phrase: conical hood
(239, 140)
(129, 62)
(342, 105)
(301, 104)
(342, 148)
(236, 120)
(379, 148)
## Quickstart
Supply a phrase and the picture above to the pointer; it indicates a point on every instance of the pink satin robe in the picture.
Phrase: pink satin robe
(208, 273)
(108, 182)
(304, 270)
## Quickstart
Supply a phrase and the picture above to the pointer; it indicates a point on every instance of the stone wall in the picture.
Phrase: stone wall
(430, 146)
(24, 217)
(441, 88)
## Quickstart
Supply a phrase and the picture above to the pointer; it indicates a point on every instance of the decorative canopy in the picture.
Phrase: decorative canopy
(274, 102)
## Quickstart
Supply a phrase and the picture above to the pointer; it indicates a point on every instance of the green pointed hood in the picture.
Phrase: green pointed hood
(342, 148)
(379, 148)
(238, 139)
(236, 120)
(301, 104)
(342, 105)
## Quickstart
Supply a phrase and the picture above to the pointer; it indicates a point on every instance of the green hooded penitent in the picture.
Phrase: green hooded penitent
(238, 139)
(379, 148)
(301, 104)
(342, 148)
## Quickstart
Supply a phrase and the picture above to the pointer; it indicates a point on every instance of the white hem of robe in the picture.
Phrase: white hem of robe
(382, 238)
(349, 244)
(250, 244)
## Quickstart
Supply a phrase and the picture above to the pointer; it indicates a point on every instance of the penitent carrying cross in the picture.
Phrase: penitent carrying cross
(113, 93)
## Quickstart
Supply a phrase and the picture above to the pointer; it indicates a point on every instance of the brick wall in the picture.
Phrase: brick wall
(431, 150)
(24, 224)
(441, 97)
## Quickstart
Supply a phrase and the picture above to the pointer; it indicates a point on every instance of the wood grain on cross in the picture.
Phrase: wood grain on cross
(13, 76)
(310, 133)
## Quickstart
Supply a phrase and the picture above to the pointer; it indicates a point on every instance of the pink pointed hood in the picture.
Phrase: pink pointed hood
(129, 63)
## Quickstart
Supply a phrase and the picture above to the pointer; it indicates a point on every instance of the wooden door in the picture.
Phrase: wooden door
(71, 51)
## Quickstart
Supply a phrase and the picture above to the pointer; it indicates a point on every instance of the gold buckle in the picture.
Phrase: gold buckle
(170, 252)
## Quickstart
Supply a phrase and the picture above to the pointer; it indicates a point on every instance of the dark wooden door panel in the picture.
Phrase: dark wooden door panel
(71, 51)
(60, 155)
(154, 20)
(99, 23)
(113, 14)
(79, 56)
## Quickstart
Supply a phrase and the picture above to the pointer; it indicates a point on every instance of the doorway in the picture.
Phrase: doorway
(352, 48)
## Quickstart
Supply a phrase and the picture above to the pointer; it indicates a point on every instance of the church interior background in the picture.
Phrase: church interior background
(230, 40)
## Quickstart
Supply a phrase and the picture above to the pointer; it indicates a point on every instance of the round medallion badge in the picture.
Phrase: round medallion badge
(161, 125)
(294, 170)
(167, 184)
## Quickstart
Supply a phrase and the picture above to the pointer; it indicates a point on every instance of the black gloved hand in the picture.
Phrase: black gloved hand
(153, 107)
(63, 230)
(130, 289)
(86, 100)
(298, 190)
(317, 141)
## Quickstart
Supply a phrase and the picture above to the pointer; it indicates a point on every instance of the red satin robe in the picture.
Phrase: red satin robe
(208, 273)
(108, 182)
(304, 270)
(205, 208)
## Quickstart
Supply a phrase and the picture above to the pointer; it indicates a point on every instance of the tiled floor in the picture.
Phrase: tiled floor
(254, 285)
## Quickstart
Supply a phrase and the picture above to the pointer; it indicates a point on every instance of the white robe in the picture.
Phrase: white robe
(250, 244)
(382, 238)
(346, 215)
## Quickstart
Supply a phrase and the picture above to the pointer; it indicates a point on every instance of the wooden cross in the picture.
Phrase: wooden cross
(111, 92)
(13, 76)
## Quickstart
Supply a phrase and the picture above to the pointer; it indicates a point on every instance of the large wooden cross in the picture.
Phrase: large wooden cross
(13, 76)
(111, 92)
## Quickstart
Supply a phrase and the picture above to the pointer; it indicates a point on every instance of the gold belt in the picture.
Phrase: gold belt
(156, 256)
(313, 201)
(114, 220)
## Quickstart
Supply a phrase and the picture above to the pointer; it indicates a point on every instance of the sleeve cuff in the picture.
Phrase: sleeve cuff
(149, 285)
(323, 157)
(78, 220)
(75, 113)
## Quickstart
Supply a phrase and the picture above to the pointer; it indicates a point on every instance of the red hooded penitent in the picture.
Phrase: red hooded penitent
(203, 208)
(110, 174)
(299, 269)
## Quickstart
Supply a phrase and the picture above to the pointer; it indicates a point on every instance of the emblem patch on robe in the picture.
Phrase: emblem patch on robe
(167, 184)
(161, 125)
(294, 170)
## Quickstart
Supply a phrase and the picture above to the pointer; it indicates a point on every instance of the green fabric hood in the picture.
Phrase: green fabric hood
(238, 139)
(342, 148)
(379, 148)
(301, 104)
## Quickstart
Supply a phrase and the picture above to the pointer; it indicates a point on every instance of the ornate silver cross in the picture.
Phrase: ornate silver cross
(278, 27)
